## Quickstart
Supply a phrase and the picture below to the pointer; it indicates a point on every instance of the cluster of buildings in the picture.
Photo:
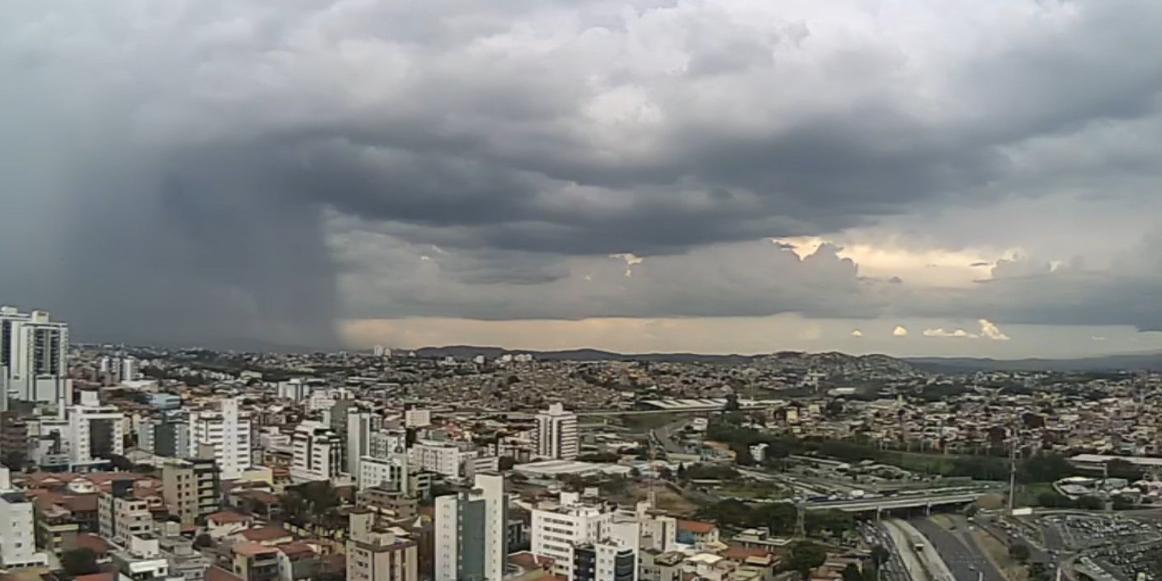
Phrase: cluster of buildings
(379, 466)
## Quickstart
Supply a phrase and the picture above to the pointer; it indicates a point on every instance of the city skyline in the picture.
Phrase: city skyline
(635, 176)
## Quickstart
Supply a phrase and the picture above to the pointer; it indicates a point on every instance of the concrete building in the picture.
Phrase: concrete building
(440, 457)
(294, 389)
(317, 452)
(184, 561)
(379, 555)
(559, 529)
(255, 562)
(384, 443)
(360, 426)
(121, 516)
(144, 433)
(141, 559)
(17, 535)
(171, 436)
(34, 353)
(471, 533)
(227, 432)
(389, 474)
(95, 431)
(190, 488)
(130, 369)
(417, 418)
(556, 435)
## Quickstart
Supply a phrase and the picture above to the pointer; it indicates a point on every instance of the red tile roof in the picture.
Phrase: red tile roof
(252, 549)
(228, 517)
(297, 550)
(94, 542)
(696, 527)
(267, 533)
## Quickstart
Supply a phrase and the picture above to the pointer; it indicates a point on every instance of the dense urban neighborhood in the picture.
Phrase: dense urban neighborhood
(136, 462)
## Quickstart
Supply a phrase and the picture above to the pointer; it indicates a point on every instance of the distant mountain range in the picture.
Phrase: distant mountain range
(1133, 362)
(1128, 362)
(786, 359)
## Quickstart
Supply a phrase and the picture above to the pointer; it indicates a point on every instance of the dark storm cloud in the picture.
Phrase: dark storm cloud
(207, 168)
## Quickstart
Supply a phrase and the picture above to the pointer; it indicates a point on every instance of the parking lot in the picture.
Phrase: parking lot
(1072, 532)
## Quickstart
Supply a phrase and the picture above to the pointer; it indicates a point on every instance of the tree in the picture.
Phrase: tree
(835, 522)
(507, 462)
(682, 472)
(880, 555)
(806, 556)
(852, 573)
(780, 517)
(1039, 572)
(1090, 503)
(1020, 552)
(80, 561)
(1122, 502)
(203, 541)
(1119, 468)
(731, 404)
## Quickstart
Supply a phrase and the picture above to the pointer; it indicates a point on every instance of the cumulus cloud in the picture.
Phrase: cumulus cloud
(988, 330)
(900, 331)
(856, 333)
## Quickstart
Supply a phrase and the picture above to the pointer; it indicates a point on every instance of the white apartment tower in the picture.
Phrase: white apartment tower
(34, 352)
(556, 435)
(471, 532)
(388, 473)
(17, 536)
(227, 432)
(573, 533)
(318, 452)
(360, 426)
(130, 369)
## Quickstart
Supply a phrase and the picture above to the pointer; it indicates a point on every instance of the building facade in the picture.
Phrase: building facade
(556, 435)
(227, 432)
(18, 533)
(34, 354)
(470, 532)
(317, 452)
(376, 555)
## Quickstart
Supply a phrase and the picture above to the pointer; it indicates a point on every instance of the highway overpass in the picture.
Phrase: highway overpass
(882, 503)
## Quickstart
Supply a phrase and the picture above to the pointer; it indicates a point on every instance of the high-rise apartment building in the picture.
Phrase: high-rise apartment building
(387, 473)
(556, 435)
(130, 369)
(360, 426)
(95, 431)
(122, 516)
(318, 452)
(34, 353)
(378, 555)
(471, 532)
(171, 436)
(17, 535)
(191, 488)
(227, 432)
(604, 535)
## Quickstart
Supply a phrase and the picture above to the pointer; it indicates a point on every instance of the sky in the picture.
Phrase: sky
(911, 178)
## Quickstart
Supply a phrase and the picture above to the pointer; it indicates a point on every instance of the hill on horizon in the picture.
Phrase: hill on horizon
(1131, 362)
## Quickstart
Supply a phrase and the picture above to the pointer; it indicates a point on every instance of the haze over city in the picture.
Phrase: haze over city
(729, 176)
